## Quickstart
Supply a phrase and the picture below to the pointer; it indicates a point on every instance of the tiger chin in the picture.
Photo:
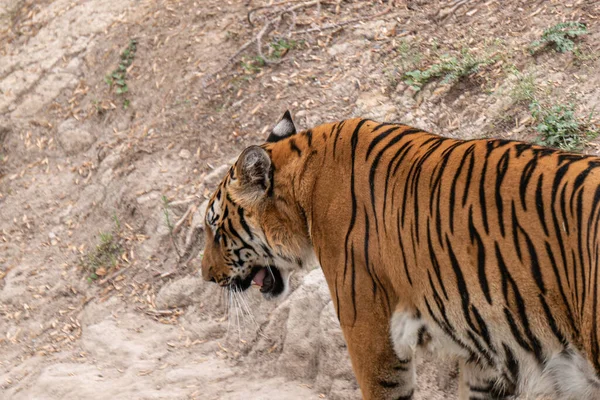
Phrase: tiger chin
(484, 250)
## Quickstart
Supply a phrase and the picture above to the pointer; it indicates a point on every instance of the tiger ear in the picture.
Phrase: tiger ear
(253, 172)
(283, 129)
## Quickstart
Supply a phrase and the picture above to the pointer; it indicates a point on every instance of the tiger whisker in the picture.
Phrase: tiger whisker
(228, 312)
(244, 297)
(237, 314)
(247, 308)
(271, 272)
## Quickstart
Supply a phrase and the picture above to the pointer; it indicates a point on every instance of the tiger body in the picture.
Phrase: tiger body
(485, 250)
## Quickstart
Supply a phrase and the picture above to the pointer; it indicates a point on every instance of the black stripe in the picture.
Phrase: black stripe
(436, 188)
(306, 164)
(465, 301)
(532, 345)
(415, 178)
(475, 237)
(353, 144)
(536, 271)
(308, 135)
(366, 251)
(382, 125)
(340, 126)
(388, 384)
(295, 148)
(552, 322)
(501, 169)
(511, 363)
(448, 329)
(539, 202)
(482, 185)
(244, 223)
(581, 253)
(452, 202)
(561, 289)
(378, 139)
(372, 172)
(434, 261)
(563, 208)
(402, 249)
(525, 178)
(400, 154)
(469, 177)
(408, 396)
(483, 330)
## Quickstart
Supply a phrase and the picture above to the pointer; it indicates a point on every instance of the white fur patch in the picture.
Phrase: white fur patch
(404, 329)
(570, 376)
(283, 128)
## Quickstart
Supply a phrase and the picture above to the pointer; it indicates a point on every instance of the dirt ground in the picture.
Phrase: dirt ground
(118, 118)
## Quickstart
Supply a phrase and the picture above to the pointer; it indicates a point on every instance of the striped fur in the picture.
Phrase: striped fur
(486, 250)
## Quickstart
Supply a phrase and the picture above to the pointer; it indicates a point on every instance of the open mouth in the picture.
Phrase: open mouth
(269, 280)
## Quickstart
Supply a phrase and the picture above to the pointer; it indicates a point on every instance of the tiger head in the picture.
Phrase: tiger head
(253, 235)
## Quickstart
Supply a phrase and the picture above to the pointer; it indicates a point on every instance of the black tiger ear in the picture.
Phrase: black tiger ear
(253, 171)
(283, 129)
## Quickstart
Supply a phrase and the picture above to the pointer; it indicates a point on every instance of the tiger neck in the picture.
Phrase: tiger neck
(296, 161)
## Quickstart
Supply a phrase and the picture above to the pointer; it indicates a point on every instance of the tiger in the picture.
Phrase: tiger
(485, 251)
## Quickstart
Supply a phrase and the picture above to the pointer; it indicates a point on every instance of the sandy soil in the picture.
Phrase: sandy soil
(102, 194)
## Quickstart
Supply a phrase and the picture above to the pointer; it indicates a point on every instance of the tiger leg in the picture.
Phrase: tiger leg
(483, 384)
(381, 374)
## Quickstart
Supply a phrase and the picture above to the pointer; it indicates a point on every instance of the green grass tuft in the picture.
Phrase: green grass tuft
(560, 36)
(449, 69)
(559, 127)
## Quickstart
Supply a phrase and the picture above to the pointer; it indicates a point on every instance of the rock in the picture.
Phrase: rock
(46, 90)
(180, 293)
(334, 371)
(74, 139)
(339, 48)
(301, 113)
(185, 154)
(300, 356)
(370, 29)
(375, 105)
(150, 196)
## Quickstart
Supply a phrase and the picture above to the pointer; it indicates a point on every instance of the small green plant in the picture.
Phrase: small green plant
(560, 36)
(118, 78)
(524, 89)
(450, 69)
(407, 57)
(103, 257)
(280, 47)
(117, 221)
(408, 54)
(559, 127)
(106, 254)
(584, 53)
(253, 65)
(169, 224)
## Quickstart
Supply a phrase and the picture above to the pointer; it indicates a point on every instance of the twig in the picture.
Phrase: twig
(191, 209)
(249, 16)
(351, 21)
(112, 276)
(455, 5)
